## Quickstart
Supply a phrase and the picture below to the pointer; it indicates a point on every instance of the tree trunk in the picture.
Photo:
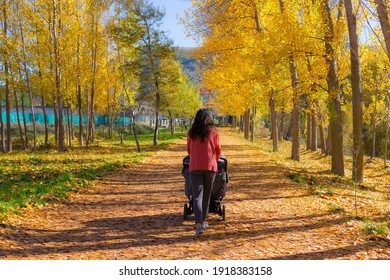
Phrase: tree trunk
(314, 136)
(156, 87)
(123, 126)
(183, 122)
(88, 115)
(321, 127)
(334, 93)
(241, 124)
(24, 121)
(296, 99)
(18, 115)
(38, 54)
(234, 124)
(170, 122)
(57, 67)
(386, 143)
(69, 126)
(91, 118)
(247, 124)
(27, 75)
(61, 130)
(253, 123)
(2, 126)
(109, 123)
(55, 122)
(274, 126)
(80, 111)
(6, 74)
(281, 126)
(387, 131)
(19, 124)
(373, 144)
(133, 126)
(357, 111)
(91, 123)
(155, 135)
(296, 111)
(45, 121)
(308, 129)
(383, 15)
(322, 138)
(290, 128)
(78, 89)
(329, 142)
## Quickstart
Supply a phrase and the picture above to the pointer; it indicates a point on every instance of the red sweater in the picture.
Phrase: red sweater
(204, 156)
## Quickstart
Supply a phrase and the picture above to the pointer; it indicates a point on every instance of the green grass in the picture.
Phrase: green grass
(47, 175)
(376, 228)
(297, 178)
(335, 208)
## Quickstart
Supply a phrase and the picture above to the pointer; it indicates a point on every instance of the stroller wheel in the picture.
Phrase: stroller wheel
(223, 213)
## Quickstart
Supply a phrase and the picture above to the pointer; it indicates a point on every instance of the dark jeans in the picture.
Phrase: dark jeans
(201, 184)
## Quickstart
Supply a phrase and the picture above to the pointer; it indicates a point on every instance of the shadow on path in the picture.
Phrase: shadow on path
(141, 208)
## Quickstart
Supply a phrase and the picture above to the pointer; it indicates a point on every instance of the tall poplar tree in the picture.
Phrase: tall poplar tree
(335, 122)
(5, 10)
(357, 111)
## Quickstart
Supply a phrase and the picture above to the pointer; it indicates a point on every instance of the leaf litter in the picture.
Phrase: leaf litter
(136, 213)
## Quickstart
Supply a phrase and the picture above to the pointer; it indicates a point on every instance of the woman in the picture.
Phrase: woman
(204, 150)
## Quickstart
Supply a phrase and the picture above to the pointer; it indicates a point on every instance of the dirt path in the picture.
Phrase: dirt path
(138, 214)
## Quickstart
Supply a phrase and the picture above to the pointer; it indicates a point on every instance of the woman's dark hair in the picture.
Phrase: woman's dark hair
(201, 125)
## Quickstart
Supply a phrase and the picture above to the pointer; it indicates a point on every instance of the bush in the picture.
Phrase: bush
(143, 129)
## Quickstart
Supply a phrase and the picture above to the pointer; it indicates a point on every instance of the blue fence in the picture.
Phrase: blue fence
(39, 118)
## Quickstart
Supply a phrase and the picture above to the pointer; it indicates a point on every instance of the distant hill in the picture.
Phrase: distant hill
(191, 66)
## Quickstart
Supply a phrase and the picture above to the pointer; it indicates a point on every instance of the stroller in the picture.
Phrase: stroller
(218, 191)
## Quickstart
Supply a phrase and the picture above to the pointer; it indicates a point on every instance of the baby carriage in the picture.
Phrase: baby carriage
(218, 191)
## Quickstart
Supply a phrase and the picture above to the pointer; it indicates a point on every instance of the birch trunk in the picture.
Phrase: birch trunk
(296, 111)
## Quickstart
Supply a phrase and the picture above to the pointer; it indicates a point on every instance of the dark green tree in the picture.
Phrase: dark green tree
(138, 27)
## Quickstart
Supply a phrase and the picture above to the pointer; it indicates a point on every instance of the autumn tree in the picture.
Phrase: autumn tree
(140, 28)
(375, 88)
(294, 37)
(97, 57)
(179, 97)
(21, 23)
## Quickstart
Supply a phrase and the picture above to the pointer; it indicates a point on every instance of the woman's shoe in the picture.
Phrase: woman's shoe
(199, 230)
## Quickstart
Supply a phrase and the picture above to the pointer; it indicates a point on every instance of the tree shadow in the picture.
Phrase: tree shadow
(341, 252)
(157, 222)
(120, 233)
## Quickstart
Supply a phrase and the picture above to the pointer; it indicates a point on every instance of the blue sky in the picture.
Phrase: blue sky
(174, 9)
